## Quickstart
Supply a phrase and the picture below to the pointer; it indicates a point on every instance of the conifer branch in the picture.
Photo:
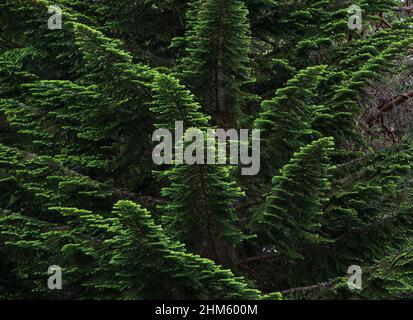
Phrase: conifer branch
(322, 285)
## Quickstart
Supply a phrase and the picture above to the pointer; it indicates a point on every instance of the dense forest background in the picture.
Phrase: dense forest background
(79, 189)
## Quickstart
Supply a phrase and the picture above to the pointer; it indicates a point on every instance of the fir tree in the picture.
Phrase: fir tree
(78, 108)
(201, 205)
(286, 119)
(291, 216)
(217, 61)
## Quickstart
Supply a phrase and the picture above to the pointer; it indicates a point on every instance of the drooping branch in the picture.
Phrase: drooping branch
(401, 9)
(382, 24)
(407, 6)
(384, 21)
(258, 258)
(387, 106)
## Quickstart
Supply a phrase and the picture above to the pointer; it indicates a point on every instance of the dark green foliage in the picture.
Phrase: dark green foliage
(142, 247)
(392, 277)
(146, 26)
(172, 102)
(285, 120)
(79, 188)
(33, 184)
(202, 206)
